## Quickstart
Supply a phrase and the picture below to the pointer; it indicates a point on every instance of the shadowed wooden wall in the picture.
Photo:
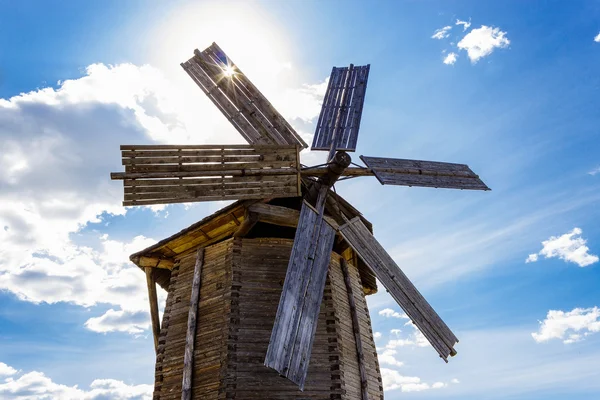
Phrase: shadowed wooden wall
(241, 284)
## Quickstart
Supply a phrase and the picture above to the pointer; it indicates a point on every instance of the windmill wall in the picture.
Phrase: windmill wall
(241, 284)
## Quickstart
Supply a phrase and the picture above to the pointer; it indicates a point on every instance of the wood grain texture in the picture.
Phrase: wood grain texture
(356, 330)
(220, 173)
(152, 297)
(238, 99)
(400, 287)
(188, 358)
(341, 112)
(293, 332)
(392, 171)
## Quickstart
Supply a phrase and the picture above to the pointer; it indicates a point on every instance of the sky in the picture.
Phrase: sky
(509, 88)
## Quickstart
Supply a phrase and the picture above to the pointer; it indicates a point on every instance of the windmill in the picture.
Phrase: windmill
(269, 167)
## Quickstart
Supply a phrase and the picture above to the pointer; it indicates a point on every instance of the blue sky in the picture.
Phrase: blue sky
(514, 95)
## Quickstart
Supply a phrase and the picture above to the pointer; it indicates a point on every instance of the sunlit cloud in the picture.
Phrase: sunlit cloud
(570, 327)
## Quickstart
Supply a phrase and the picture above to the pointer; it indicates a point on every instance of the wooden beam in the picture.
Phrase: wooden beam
(155, 262)
(356, 328)
(153, 305)
(249, 221)
(188, 357)
(275, 215)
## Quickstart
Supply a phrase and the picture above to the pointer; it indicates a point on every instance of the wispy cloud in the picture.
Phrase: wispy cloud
(596, 170)
(466, 25)
(451, 58)
(442, 33)
(37, 385)
(482, 42)
(393, 380)
(597, 38)
(569, 247)
(571, 326)
(389, 313)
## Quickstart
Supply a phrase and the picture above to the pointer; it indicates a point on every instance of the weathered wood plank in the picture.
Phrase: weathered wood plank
(356, 329)
(400, 287)
(153, 305)
(340, 115)
(265, 107)
(188, 358)
(391, 171)
(155, 262)
(293, 332)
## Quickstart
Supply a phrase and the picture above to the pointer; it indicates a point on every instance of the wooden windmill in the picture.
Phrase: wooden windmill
(234, 265)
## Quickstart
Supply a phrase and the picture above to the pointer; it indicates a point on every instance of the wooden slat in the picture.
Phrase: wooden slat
(265, 107)
(209, 167)
(188, 358)
(220, 100)
(400, 287)
(239, 100)
(289, 193)
(356, 330)
(207, 147)
(232, 180)
(153, 305)
(271, 171)
(342, 109)
(293, 331)
(223, 186)
(392, 171)
(238, 95)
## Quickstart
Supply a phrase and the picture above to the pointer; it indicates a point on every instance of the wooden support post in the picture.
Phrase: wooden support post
(153, 305)
(188, 357)
(356, 329)
(249, 221)
(335, 169)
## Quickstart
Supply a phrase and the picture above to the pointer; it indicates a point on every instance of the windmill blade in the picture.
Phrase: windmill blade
(400, 287)
(296, 320)
(238, 99)
(164, 174)
(339, 120)
(393, 171)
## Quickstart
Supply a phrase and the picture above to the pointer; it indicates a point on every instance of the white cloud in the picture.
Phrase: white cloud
(376, 335)
(481, 42)
(414, 339)
(531, 258)
(393, 380)
(595, 170)
(6, 370)
(571, 326)
(466, 25)
(442, 33)
(597, 38)
(450, 58)
(58, 148)
(388, 357)
(454, 380)
(569, 247)
(129, 321)
(389, 313)
(37, 386)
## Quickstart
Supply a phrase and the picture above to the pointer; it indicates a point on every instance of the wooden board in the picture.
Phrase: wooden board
(295, 323)
(162, 174)
(394, 171)
(238, 99)
(400, 287)
(342, 109)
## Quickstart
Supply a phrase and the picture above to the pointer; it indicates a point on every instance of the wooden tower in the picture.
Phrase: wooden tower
(273, 286)
(241, 275)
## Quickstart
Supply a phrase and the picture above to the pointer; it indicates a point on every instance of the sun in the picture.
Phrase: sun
(228, 71)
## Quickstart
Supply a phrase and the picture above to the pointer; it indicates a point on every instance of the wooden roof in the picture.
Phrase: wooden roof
(223, 224)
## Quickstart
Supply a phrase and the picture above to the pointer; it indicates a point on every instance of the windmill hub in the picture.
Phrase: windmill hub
(230, 265)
